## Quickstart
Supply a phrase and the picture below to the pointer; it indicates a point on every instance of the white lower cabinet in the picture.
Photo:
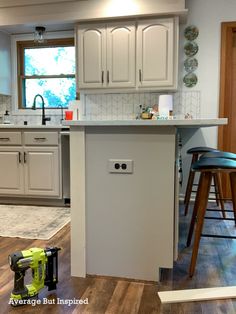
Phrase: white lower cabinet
(41, 171)
(32, 171)
(11, 171)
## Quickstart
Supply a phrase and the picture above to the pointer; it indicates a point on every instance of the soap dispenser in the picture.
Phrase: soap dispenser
(6, 118)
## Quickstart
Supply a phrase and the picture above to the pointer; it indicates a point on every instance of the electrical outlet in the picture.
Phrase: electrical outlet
(120, 166)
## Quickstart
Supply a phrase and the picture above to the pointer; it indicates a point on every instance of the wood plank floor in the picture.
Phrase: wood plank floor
(216, 266)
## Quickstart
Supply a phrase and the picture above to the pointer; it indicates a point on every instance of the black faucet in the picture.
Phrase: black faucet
(44, 118)
(62, 114)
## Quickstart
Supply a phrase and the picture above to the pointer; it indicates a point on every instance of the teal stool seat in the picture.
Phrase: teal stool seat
(219, 154)
(214, 163)
(201, 150)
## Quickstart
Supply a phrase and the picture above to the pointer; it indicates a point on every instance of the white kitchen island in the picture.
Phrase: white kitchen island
(125, 224)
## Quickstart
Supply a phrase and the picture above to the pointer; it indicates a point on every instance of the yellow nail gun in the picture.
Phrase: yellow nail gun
(44, 265)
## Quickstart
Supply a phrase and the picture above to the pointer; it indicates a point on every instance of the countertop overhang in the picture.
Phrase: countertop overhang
(181, 123)
(33, 126)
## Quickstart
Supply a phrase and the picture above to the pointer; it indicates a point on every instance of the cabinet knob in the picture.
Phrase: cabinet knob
(108, 79)
(102, 77)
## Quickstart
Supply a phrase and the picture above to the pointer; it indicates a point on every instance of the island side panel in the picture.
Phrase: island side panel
(77, 183)
(130, 217)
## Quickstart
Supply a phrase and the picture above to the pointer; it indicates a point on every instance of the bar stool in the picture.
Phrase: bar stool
(207, 167)
(216, 154)
(196, 152)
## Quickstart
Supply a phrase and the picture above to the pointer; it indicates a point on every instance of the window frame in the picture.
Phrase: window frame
(21, 77)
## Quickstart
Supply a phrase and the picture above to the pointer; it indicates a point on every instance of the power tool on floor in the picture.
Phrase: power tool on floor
(44, 266)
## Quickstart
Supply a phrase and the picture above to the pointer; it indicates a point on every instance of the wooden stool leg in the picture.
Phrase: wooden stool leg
(194, 214)
(216, 189)
(189, 185)
(217, 177)
(204, 190)
(232, 176)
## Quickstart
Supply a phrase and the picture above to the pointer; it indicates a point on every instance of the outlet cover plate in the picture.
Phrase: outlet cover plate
(120, 165)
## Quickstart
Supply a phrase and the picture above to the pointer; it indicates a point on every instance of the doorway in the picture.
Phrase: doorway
(226, 134)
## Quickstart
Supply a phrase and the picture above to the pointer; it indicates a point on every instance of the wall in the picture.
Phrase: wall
(5, 64)
(207, 15)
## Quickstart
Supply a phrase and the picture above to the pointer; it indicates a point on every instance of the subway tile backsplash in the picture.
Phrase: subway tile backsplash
(5, 104)
(114, 106)
(127, 106)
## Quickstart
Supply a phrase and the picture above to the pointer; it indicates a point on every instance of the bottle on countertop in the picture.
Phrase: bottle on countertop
(6, 118)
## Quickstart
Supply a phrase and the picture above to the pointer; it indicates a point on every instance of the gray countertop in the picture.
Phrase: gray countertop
(175, 122)
(33, 126)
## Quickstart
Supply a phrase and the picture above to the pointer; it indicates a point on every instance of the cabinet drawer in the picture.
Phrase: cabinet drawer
(10, 138)
(41, 138)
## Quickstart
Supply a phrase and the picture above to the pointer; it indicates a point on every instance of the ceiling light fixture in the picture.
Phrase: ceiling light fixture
(39, 34)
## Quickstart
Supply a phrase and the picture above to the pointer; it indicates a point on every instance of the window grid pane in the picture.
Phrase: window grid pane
(49, 61)
(55, 91)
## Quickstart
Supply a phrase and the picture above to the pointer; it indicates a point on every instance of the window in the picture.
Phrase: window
(47, 69)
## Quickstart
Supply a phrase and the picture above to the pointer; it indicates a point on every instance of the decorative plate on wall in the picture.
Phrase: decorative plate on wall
(190, 80)
(190, 64)
(191, 32)
(190, 48)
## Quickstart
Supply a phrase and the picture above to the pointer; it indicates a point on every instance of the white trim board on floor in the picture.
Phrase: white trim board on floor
(191, 295)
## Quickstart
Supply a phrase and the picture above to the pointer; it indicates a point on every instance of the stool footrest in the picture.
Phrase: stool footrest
(219, 218)
(196, 184)
(219, 210)
(217, 236)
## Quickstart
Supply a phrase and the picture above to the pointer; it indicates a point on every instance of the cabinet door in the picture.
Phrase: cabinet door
(11, 170)
(121, 55)
(91, 45)
(42, 171)
(155, 53)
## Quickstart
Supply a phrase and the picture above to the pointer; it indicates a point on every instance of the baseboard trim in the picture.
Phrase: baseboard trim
(121, 279)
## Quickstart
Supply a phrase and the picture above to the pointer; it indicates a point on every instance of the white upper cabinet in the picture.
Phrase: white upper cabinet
(92, 55)
(106, 55)
(141, 55)
(121, 55)
(156, 53)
